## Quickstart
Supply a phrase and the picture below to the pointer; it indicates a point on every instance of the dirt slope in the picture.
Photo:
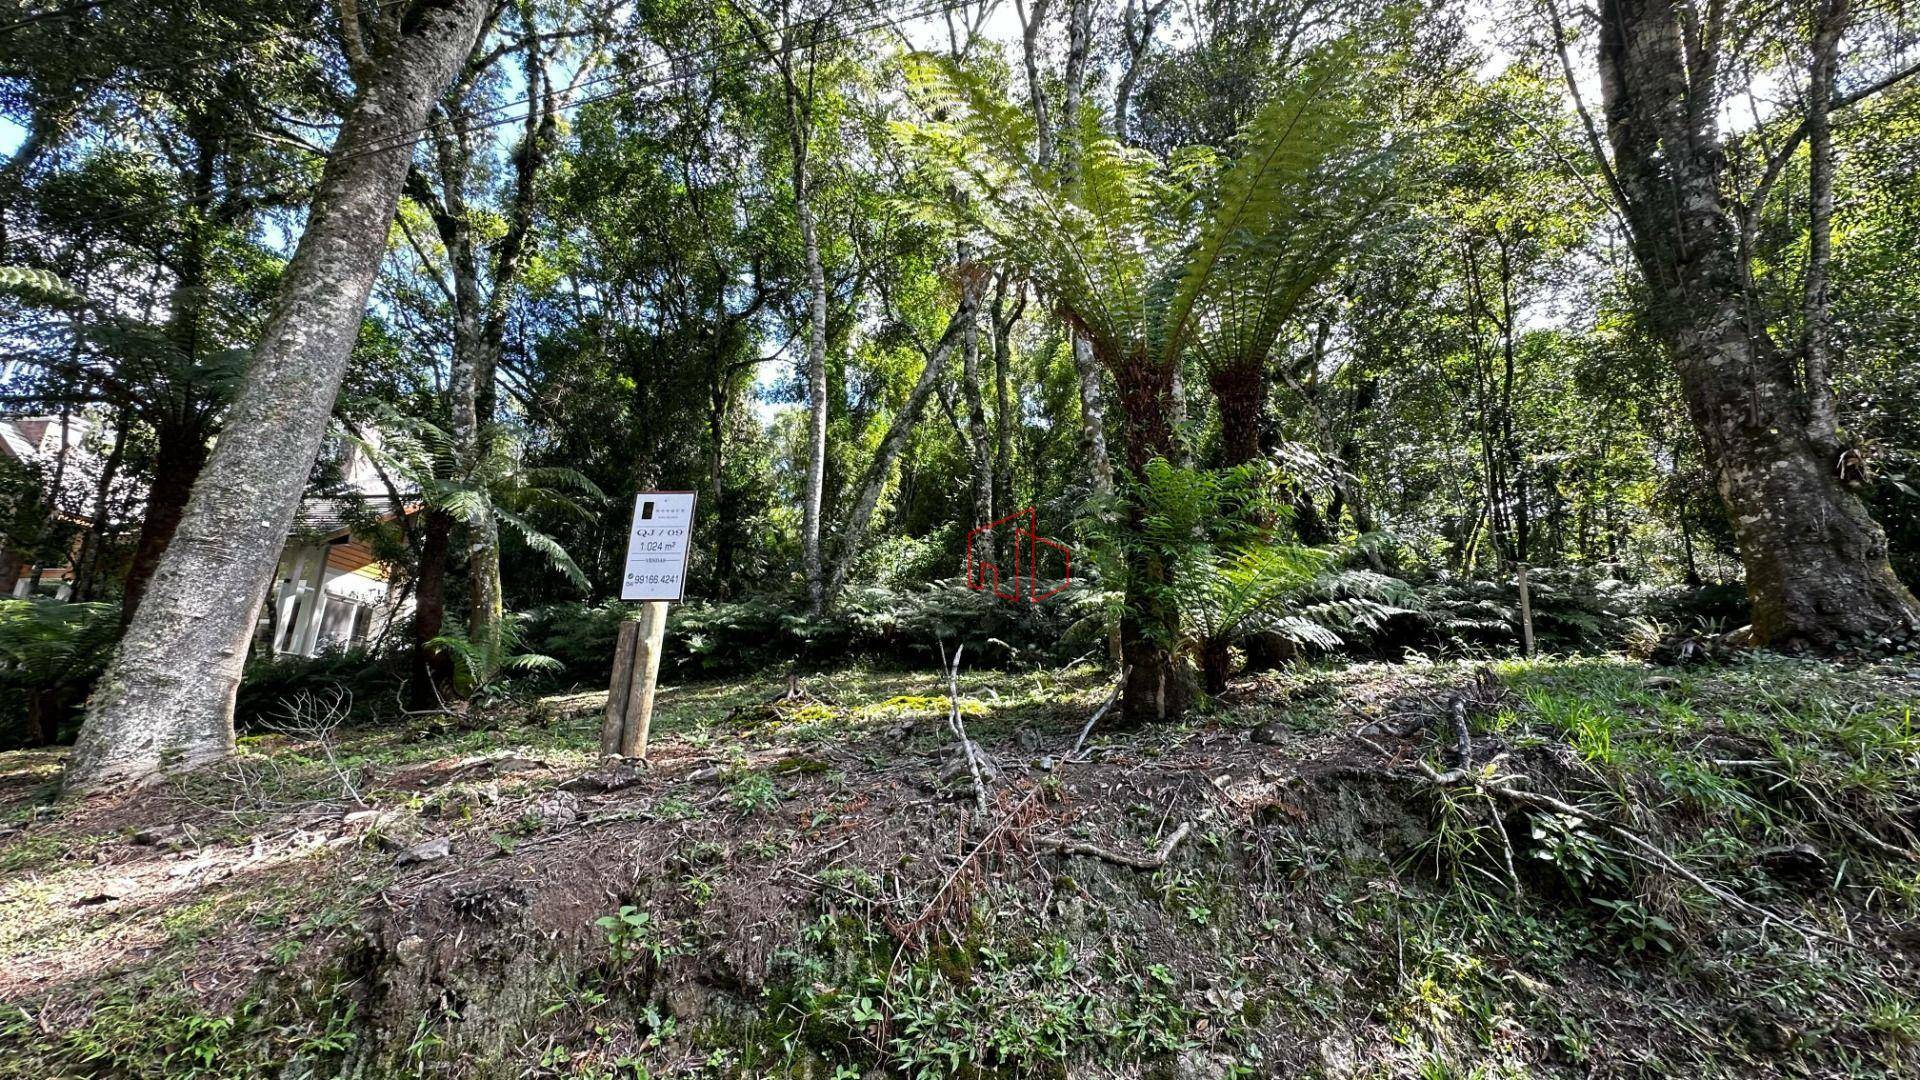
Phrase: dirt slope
(1313, 879)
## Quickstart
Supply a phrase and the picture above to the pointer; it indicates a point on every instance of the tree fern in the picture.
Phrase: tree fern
(422, 454)
(1158, 259)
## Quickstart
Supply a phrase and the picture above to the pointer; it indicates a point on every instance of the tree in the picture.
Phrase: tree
(483, 273)
(793, 49)
(200, 153)
(166, 699)
(1144, 261)
(1816, 562)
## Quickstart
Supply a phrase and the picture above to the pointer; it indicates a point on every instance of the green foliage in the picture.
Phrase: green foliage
(903, 623)
(46, 643)
(483, 666)
(37, 286)
(633, 935)
(1151, 259)
(371, 682)
(50, 654)
(502, 486)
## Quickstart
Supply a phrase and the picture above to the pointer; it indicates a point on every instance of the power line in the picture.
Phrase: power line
(416, 136)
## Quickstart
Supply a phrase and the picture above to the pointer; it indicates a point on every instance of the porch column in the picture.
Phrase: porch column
(288, 578)
(316, 605)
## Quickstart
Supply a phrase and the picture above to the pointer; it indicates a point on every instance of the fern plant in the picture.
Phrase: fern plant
(33, 286)
(50, 653)
(422, 455)
(481, 663)
(1234, 572)
(1150, 261)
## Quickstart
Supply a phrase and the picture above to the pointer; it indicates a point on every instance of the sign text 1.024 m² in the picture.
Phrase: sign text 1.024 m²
(658, 546)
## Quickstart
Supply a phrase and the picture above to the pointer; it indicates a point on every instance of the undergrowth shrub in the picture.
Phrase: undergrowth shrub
(905, 623)
(1574, 611)
(50, 654)
(370, 680)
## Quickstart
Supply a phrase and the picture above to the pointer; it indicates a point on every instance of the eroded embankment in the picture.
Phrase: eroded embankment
(1616, 872)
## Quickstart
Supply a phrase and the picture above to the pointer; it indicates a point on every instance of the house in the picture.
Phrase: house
(37, 442)
(330, 588)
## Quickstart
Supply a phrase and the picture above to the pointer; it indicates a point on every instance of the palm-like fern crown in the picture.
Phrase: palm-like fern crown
(1199, 253)
(500, 484)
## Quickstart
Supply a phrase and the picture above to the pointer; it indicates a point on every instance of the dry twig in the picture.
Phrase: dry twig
(1154, 861)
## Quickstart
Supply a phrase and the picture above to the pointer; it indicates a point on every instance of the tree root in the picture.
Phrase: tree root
(1154, 861)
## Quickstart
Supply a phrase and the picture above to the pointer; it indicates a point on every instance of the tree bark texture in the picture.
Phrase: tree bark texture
(165, 701)
(430, 670)
(180, 453)
(1240, 392)
(1159, 685)
(1816, 562)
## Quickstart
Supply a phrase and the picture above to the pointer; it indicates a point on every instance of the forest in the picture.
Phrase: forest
(1348, 538)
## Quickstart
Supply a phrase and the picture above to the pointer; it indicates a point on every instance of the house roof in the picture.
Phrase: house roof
(328, 516)
(15, 442)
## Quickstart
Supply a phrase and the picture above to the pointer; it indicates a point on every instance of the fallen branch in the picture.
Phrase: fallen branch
(1154, 861)
(959, 727)
(1098, 713)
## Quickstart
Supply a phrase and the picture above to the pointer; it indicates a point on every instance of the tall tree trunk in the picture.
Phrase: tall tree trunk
(166, 699)
(1032, 21)
(1137, 25)
(719, 410)
(183, 430)
(799, 137)
(1240, 393)
(86, 571)
(880, 469)
(980, 450)
(1074, 80)
(811, 517)
(1816, 562)
(1004, 320)
(11, 567)
(1093, 418)
(1823, 416)
(1159, 685)
(486, 607)
(180, 453)
(430, 670)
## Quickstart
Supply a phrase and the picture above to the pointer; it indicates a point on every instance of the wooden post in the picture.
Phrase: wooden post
(616, 718)
(1526, 613)
(636, 669)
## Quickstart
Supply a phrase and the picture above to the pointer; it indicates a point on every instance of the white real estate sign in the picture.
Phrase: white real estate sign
(658, 546)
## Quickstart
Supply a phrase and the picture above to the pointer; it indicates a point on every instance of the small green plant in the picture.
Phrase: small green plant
(753, 793)
(1563, 840)
(675, 808)
(1637, 925)
(631, 934)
